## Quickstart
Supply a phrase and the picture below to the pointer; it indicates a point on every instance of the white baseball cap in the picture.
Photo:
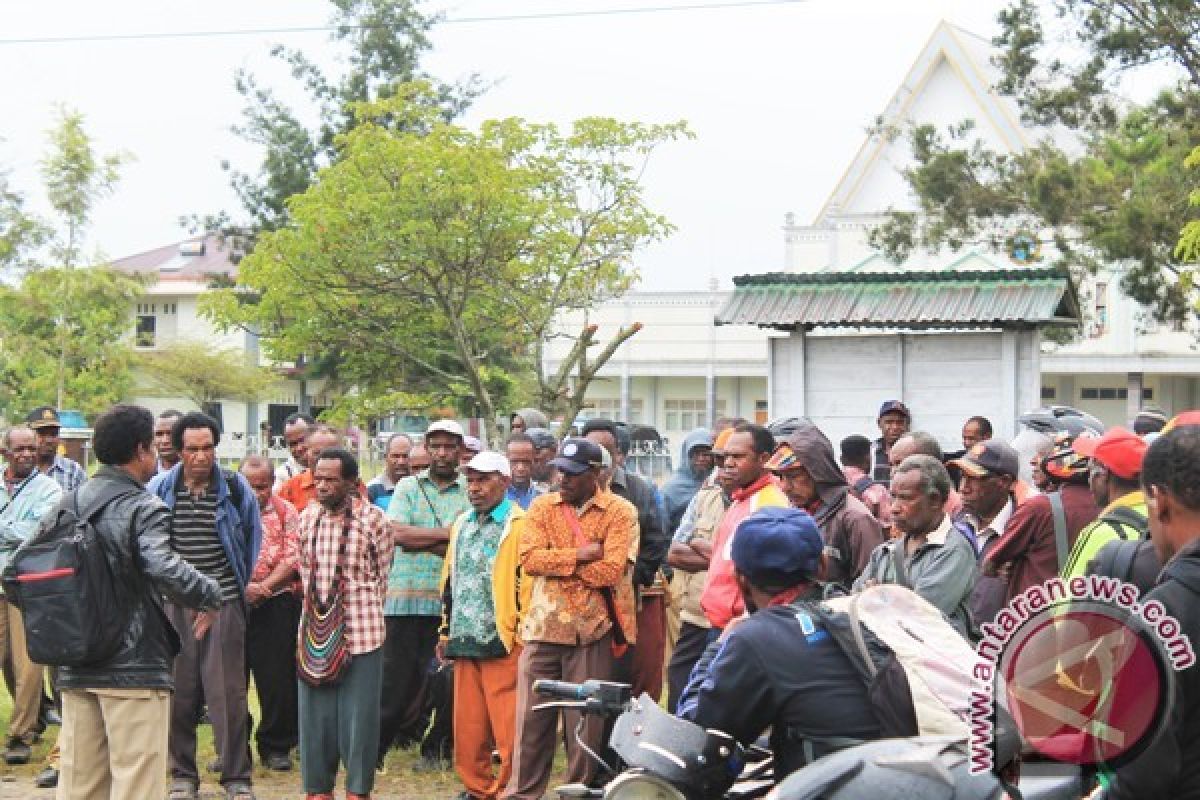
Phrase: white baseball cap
(490, 461)
(445, 426)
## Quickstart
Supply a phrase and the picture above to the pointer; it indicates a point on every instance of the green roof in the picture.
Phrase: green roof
(1004, 298)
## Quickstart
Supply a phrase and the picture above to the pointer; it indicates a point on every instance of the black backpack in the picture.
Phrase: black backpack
(74, 612)
(1131, 558)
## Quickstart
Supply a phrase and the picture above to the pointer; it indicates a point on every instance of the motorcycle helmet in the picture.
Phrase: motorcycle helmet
(1062, 463)
(784, 427)
(1061, 419)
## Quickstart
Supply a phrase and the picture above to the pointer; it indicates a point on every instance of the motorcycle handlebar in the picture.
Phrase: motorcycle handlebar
(560, 690)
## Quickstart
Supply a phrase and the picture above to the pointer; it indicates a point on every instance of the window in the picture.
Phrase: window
(610, 408)
(144, 335)
(683, 414)
(1147, 394)
(1101, 309)
(760, 412)
(1049, 393)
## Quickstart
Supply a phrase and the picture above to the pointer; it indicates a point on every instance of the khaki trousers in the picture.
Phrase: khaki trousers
(485, 717)
(114, 744)
(27, 676)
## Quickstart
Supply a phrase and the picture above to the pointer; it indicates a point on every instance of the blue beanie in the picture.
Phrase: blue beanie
(777, 546)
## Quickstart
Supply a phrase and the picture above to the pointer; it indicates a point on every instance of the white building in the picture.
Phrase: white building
(177, 275)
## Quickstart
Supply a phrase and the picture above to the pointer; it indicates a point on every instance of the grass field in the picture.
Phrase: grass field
(399, 782)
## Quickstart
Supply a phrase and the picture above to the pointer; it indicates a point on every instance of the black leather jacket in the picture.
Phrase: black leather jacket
(138, 527)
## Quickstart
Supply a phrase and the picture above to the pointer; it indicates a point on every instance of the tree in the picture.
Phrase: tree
(203, 374)
(385, 40)
(98, 320)
(64, 328)
(1105, 184)
(433, 259)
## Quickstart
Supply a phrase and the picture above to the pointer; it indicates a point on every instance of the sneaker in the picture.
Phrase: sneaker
(239, 791)
(47, 778)
(17, 752)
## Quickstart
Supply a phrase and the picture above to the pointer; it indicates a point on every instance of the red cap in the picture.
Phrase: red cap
(1182, 419)
(1119, 450)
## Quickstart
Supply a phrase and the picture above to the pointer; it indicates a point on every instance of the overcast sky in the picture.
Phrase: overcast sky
(779, 97)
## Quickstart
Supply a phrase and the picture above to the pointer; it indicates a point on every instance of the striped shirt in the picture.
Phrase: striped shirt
(194, 538)
(67, 473)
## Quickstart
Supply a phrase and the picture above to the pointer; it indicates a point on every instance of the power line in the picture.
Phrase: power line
(600, 12)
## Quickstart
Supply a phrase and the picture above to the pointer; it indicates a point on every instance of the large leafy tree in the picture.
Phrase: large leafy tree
(1105, 183)
(203, 374)
(434, 259)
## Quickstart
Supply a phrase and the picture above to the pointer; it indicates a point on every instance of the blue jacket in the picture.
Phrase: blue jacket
(238, 526)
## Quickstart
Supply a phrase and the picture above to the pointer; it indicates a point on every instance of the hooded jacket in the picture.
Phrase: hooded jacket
(533, 418)
(849, 529)
(682, 486)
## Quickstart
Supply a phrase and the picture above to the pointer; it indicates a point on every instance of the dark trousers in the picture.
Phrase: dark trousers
(341, 723)
(534, 751)
(642, 665)
(688, 649)
(216, 666)
(407, 651)
(271, 657)
(439, 704)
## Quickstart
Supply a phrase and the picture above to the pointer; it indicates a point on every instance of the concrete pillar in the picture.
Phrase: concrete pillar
(1009, 378)
(625, 392)
(786, 385)
(1133, 399)
(710, 398)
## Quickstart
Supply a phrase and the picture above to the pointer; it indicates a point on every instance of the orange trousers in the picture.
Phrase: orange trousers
(485, 718)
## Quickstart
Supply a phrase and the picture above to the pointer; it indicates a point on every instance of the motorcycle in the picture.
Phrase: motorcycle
(663, 757)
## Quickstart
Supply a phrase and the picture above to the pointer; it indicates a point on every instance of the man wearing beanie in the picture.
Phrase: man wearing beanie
(747, 680)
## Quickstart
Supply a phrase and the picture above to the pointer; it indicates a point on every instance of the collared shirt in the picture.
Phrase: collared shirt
(881, 467)
(66, 473)
(414, 583)
(986, 534)
(523, 497)
(280, 543)
(941, 569)
(286, 471)
(22, 506)
(722, 599)
(472, 629)
(567, 605)
(365, 563)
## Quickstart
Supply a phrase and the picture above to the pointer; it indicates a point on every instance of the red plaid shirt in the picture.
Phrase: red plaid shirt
(365, 566)
(280, 543)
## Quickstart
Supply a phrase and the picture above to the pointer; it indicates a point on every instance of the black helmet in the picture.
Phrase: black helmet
(785, 426)
(1061, 419)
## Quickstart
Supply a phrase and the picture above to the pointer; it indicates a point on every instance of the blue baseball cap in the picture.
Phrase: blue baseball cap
(577, 456)
(894, 407)
(777, 546)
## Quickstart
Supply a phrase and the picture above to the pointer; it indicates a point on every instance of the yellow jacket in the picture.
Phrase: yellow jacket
(510, 590)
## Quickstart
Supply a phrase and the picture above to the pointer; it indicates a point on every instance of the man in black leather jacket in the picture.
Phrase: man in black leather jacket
(116, 712)
(1170, 764)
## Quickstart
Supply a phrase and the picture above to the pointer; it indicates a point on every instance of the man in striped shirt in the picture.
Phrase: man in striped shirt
(215, 527)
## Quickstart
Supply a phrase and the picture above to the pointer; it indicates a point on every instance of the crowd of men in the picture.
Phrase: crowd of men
(418, 608)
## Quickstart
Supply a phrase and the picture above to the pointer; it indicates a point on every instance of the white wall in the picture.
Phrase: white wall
(840, 381)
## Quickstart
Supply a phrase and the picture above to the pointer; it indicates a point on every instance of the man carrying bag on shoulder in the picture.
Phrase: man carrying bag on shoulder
(116, 710)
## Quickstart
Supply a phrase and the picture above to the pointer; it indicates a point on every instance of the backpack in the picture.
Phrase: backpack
(916, 667)
(1130, 559)
(73, 609)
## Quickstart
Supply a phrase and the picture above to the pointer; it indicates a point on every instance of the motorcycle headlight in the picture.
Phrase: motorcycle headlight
(640, 786)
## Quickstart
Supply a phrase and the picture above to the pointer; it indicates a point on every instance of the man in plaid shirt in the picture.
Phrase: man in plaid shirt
(342, 720)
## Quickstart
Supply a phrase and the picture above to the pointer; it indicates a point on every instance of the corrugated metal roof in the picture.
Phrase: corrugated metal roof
(976, 298)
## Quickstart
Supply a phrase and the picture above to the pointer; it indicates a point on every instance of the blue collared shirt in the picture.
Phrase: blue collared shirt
(66, 473)
(523, 497)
